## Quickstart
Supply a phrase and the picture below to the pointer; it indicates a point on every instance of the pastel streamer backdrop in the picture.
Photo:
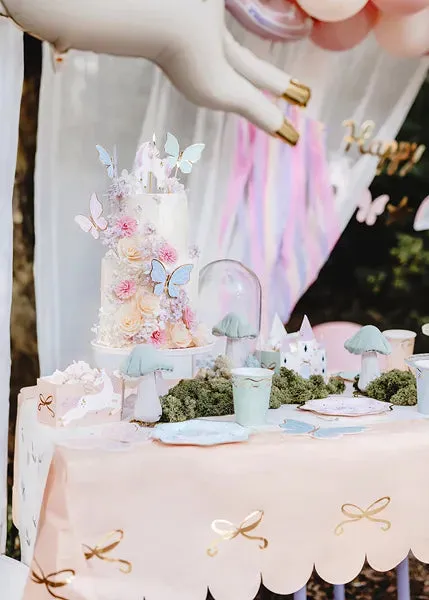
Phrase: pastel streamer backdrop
(285, 208)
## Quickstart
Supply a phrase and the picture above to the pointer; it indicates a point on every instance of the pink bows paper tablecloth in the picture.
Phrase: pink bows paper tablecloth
(160, 522)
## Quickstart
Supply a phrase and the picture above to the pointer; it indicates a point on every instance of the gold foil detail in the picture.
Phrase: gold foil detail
(228, 531)
(354, 513)
(107, 545)
(287, 133)
(46, 403)
(53, 581)
(297, 93)
(270, 366)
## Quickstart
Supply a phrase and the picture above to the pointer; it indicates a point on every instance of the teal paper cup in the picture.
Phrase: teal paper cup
(251, 390)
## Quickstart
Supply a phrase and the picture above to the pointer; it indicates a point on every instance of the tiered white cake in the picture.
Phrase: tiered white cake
(149, 278)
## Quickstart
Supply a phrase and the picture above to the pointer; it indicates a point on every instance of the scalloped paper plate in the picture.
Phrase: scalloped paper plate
(343, 406)
(199, 432)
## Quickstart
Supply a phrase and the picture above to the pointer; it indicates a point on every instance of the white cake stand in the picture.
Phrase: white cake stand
(149, 388)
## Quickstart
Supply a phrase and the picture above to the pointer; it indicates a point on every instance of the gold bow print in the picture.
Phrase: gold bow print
(355, 513)
(107, 544)
(228, 531)
(270, 366)
(53, 581)
(47, 403)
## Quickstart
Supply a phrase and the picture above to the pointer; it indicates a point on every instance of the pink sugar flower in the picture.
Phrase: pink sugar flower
(189, 317)
(125, 289)
(127, 226)
(167, 254)
(158, 337)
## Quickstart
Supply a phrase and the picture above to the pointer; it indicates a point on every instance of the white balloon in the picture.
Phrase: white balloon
(332, 10)
(187, 39)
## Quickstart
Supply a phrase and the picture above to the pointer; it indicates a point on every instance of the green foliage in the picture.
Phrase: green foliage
(210, 393)
(396, 387)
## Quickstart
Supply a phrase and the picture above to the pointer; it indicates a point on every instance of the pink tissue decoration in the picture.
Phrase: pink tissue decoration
(158, 338)
(189, 318)
(125, 289)
(167, 254)
(127, 226)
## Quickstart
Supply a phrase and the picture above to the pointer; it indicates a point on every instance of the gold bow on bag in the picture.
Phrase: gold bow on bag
(355, 513)
(53, 581)
(46, 403)
(107, 544)
(228, 531)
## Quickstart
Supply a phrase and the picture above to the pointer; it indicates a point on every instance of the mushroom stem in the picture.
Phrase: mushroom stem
(147, 407)
(370, 370)
(237, 351)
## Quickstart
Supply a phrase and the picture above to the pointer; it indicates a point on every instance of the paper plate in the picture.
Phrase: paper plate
(200, 433)
(343, 406)
(348, 375)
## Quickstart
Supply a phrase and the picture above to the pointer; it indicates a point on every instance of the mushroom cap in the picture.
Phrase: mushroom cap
(142, 360)
(233, 327)
(425, 329)
(368, 339)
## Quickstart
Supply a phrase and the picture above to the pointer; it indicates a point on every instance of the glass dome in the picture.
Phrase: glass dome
(228, 287)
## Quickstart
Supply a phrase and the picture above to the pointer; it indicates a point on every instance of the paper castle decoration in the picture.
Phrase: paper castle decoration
(299, 351)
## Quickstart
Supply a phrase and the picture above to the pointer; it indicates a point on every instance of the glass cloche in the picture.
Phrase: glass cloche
(230, 305)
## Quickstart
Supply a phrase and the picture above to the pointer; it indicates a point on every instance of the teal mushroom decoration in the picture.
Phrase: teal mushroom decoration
(368, 342)
(143, 363)
(237, 333)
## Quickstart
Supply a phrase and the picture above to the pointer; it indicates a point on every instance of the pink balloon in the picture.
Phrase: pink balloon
(332, 10)
(276, 20)
(344, 35)
(404, 36)
(401, 7)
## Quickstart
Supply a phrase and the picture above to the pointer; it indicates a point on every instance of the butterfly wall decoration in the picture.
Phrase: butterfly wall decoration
(369, 210)
(183, 160)
(293, 427)
(169, 282)
(421, 221)
(95, 222)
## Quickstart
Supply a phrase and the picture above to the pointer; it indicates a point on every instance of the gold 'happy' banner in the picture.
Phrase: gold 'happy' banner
(392, 155)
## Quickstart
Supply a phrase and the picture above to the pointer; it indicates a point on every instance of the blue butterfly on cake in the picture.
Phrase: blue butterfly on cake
(299, 351)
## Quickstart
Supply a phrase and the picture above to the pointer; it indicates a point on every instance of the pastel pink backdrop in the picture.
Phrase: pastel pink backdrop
(333, 335)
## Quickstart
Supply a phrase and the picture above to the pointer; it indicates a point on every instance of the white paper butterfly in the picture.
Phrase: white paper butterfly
(182, 160)
(370, 209)
(421, 221)
(95, 222)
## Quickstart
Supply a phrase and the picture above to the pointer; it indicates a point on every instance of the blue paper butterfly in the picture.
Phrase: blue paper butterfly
(107, 161)
(302, 428)
(169, 282)
(183, 160)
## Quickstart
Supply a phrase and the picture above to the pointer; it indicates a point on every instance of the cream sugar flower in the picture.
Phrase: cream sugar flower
(179, 335)
(147, 304)
(129, 249)
(130, 321)
(201, 335)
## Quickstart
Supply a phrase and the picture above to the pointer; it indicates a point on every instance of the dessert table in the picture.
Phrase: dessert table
(126, 516)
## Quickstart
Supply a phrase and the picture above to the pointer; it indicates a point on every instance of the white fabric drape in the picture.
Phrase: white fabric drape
(106, 100)
(11, 76)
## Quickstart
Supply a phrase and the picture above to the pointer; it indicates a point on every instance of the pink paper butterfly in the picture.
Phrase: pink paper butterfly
(95, 222)
(370, 209)
(421, 221)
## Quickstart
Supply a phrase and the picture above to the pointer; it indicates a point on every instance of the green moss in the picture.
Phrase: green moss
(397, 387)
(210, 393)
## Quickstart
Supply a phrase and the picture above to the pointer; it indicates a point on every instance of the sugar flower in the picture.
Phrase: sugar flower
(127, 226)
(130, 321)
(189, 317)
(179, 336)
(167, 254)
(129, 249)
(158, 338)
(147, 304)
(125, 289)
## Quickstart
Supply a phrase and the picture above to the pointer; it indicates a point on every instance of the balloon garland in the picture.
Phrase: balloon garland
(401, 26)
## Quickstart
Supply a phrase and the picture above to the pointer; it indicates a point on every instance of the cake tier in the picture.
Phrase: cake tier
(149, 277)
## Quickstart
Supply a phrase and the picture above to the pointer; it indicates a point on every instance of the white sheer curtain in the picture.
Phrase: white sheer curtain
(99, 99)
(11, 75)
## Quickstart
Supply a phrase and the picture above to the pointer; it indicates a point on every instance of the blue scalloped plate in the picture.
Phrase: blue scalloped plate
(199, 432)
